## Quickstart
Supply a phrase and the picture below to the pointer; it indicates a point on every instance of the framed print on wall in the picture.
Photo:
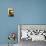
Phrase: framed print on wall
(32, 32)
(11, 12)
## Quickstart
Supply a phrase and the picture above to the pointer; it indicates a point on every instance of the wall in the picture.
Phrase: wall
(26, 12)
(7, 24)
(31, 11)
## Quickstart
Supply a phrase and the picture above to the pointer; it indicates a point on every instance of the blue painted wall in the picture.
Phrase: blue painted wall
(31, 11)
(7, 24)
(26, 12)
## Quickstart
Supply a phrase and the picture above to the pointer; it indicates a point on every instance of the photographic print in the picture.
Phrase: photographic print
(11, 12)
(31, 33)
